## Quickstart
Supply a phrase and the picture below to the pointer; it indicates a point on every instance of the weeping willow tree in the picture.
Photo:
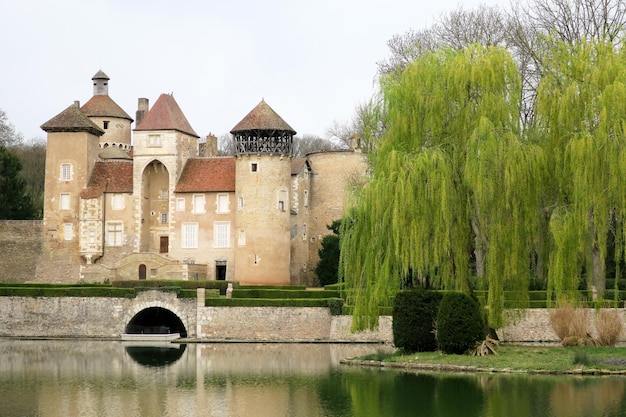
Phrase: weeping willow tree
(451, 181)
(581, 109)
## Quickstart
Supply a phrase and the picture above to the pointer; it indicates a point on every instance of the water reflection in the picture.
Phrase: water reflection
(54, 379)
(162, 354)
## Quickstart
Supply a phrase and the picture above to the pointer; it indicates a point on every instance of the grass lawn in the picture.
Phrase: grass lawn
(515, 358)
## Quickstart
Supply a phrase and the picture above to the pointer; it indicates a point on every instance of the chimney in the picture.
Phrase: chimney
(210, 147)
(77, 104)
(142, 108)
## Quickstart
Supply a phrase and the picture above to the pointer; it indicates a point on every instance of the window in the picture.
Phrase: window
(306, 198)
(242, 237)
(189, 235)
(198, 203)
(105, 124)
(254, 167)
(117, 201)
(164, 218)
(66, 172)
(221, 234)
(282, 197)
(240, 202)
(64, 202)
(154, 141)
(114, 233)
(68, 231)
(164, 194)
(223, 203)
(180, 204)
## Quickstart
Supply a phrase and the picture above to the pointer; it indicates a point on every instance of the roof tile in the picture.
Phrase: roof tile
(207, 175)
(166, 115)
(109, 177)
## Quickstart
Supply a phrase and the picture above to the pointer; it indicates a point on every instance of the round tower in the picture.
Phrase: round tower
(107, 115)
(263, 150)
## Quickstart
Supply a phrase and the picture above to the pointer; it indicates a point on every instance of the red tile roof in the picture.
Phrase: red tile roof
(166, 115)
(207, 175)
(262, 117)
(109, 177)
(104, 106)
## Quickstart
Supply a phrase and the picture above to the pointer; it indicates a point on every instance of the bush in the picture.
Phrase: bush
(569, 322)
(459, 323)
(609, 326)
(413, 320)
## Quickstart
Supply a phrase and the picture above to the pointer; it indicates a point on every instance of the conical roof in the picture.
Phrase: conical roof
(72, 119)
(262, 117)
(166, 115)
(104, 106)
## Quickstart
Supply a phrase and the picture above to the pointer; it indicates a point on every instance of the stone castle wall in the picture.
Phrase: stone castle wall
(21, 246)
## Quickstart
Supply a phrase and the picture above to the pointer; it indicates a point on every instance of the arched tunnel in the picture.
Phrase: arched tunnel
(156, 320)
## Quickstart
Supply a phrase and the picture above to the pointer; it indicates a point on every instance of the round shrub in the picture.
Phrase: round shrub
(459, 323)
(414, 314)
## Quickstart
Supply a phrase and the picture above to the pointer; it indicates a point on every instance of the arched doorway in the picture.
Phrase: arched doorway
(142, 271)
(155, 185)
(156, 320)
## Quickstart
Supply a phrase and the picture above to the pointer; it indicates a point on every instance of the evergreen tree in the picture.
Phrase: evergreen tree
(328, 265)
(15, 202)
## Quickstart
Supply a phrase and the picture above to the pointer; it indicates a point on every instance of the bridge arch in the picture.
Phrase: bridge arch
(156, 320)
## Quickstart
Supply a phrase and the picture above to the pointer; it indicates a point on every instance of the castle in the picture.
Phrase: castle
(156, 202)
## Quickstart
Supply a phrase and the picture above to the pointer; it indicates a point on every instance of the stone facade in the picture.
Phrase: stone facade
(21, 242)
(154, 204)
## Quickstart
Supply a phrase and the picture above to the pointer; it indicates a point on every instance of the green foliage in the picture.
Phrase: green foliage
(414, 315)
(452, 177)
(335, 306)
(15, 202)
(65, 291)
(459, 323)
(220, 285)
(328, 266)
(267, 302)
(282, 293)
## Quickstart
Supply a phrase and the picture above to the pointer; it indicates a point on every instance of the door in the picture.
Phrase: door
(142, 271)
(163, 244)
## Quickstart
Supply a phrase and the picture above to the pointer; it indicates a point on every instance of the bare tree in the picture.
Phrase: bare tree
(8, 135)
(311, 143)
(226, 145)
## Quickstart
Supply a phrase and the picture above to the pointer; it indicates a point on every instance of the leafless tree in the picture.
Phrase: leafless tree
(311, 143)
(8, 135)
(226, 145)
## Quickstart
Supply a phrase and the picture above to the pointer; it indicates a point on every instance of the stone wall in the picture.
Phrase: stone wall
(21, 243)
(108, 317)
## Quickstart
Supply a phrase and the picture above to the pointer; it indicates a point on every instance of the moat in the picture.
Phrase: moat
(95, 378)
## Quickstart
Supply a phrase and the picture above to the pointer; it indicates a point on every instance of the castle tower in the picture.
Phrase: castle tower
(263, 149)
(164, 140)
(107, 115)
(71, 153)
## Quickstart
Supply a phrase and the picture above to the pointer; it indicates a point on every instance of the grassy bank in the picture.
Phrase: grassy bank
(512, 358)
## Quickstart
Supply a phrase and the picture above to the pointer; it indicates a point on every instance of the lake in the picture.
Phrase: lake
(98, 378)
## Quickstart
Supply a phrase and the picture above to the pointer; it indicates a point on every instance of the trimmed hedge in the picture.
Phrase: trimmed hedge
(459, 323)
(413, 320)
(185, 285)
(282, 293)
(67, 292)
(266, 302)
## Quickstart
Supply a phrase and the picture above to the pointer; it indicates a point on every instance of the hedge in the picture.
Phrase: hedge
(67, 292)
(282, 293)
(183, 284)
(266, 302)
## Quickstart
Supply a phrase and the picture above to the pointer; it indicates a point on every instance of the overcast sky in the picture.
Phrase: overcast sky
(312, 61)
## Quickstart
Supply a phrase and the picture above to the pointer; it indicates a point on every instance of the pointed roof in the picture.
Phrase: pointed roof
(72, 119)
(262, 117)
(104, 106)
(100, 75)
(109, 177)
(207, 175)
(166, 115)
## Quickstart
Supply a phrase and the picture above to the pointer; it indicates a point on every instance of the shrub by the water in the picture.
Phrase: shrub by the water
(459, 323)
(414, 314)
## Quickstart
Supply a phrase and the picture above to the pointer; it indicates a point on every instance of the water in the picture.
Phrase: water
(85, 378)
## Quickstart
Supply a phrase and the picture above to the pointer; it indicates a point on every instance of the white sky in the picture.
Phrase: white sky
(312, 61)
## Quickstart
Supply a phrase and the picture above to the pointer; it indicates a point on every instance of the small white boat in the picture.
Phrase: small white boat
(150, 337)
